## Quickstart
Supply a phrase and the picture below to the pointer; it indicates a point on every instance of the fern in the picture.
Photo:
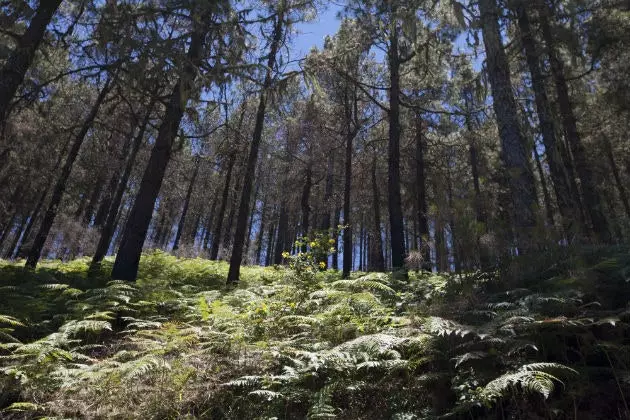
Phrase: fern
(536, 377)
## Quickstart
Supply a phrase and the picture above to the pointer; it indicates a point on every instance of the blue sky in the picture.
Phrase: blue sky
(313, 33)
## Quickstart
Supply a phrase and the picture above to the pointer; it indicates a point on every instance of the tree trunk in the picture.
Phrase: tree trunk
(182, 219)
(393, 153)
(135, 232)
(545, 190)
(115, 210)
(57, 194)
(592, 201)
(328, 193)
(378, 263)
(16, 238)
(252, 159)
(421, 197)
(335, 256)
(623, 195)
(304, 202)
(14, 70)
(515, 150)
(218, 228)
(283, 236)
(93, 200)
(347, 219)
(270, 245)
(567, 205)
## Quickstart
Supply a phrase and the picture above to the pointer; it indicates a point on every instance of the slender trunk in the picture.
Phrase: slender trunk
(421, 197)
(270, 245)
(261, 234)
(451, 221)
(252, 159)
(623, 195)
(250, 224)
(347, 219)
(60, 187)
(14, 70)
(545, 190)
(115, 209)
(208, 237)
(283, 237)
(94, 197)
(304, 202)
(218, 228)
(378, 263)
(182, 219)
(135, 232)
(393, 153)
(515, 150)
(568, 207)
(335, 256)
(8, 228)
(328, 193)
(592, 201)
(16, 238)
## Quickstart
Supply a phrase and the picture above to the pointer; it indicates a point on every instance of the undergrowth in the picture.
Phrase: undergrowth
(299, 342)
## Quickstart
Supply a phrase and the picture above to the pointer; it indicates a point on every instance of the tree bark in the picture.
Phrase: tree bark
(182, 219)
(135, 232)
(60, 187)
(393, 155)
(592, 200)
(378, 263)
(252, 159)
(567, 205)
(114, 211)
(218, 228)
(14, 70)
(623, 195)
(515, 150)
(304, 202)
(347, 219)
(421, 197)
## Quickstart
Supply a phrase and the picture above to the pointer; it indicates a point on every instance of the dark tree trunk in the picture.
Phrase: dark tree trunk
(209, 223)
(8, 228)
(393, 153)
(261, 234)
(567, 205)
(304, 202)
(347, 219)
(623, 195)
(421, 197)
(225, 196)
(57, 194)
(270, 245)
(515, 150)
(377, 261)
(283, 234)
(252, 159)
(592, 201)
(93, 200)
(182, 218)
(16, 238)
(135, 232)
(14, 70)
(115, 210)
(545, 190)
(335, 256)
(328, 193)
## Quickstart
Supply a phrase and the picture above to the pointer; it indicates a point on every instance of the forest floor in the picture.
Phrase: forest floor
(553, 341)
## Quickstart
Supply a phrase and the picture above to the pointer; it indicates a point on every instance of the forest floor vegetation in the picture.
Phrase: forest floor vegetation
(293, 343)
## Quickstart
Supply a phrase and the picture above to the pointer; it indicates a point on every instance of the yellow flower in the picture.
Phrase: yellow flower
(322, 265)
(285, 254)
(313, 244)
(331, 241)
